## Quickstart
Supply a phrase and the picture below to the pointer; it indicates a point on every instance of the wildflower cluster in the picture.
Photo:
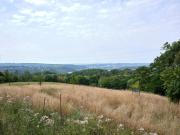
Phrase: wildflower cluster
(46, 121)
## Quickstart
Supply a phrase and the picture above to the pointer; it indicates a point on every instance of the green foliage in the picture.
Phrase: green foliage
(51, 78)
(79, 79)
(165, 70)
(133, 83)
(114, 82)
(91, 72)
(142, 75)
(169, 57)
(171, 78)
(27, 76)
(2, 79)
(93, 80)
(177, 59)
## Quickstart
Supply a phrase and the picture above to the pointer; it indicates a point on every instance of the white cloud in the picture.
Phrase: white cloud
(73, 7)
(30, 16)
(103, 13)
(36, 13)
(26, 11)
(107, 16)
(99, 19)
(39, 2)
(18, 19)
(41, 13)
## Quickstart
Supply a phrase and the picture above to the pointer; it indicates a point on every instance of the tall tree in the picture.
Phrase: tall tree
(171, 78)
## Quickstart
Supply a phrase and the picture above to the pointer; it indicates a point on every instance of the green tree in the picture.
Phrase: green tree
(114, 82)
(142, 75)
(8, 77)
(177, 59)
(2, 79)
(27, 76)
(168, 59)
(79, 79)
(171, 78)
(133, 83)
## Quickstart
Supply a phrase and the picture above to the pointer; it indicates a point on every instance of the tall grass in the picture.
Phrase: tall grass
(20, 117)
(152, 112)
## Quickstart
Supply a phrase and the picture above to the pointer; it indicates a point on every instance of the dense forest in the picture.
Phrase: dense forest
(161, 77)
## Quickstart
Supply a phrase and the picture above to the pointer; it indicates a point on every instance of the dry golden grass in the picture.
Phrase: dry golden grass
(152, 112)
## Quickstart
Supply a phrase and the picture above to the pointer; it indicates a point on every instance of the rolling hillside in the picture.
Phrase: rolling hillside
(65, 68)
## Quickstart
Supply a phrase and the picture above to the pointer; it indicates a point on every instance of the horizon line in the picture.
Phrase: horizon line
(74, 63)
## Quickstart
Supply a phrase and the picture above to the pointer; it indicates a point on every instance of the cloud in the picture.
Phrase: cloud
(32, 17)
(18, 19)
(39, 2)
(26, 11)
(73, 7)
(108, 19)
(37, 13)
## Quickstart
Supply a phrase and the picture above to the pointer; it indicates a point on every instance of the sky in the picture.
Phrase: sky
(86, 31)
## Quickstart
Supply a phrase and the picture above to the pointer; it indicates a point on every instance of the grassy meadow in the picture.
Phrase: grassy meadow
(55, 108)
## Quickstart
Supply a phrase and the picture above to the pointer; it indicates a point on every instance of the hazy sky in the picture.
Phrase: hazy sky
(86, 31)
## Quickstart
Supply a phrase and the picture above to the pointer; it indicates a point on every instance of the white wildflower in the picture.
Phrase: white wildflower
(100, 121)
(68, 120)
(100, 116)
(46, 120)
(28, 110)
(121, 126)
(84, 122)
(81, 122)
(99, 126)
(86, 118)
(145, 133)
(153, 133)
(49, 122)
(76, 121)
(9, 101)
(107, 120)
(141, 129)
(8, 96)
(43, 118)
(1, 98)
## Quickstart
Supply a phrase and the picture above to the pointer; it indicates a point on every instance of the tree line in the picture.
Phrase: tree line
(160, 77)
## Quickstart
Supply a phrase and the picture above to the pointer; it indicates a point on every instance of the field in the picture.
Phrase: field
(123, 112)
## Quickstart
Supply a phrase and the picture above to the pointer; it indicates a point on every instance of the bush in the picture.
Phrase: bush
(171, 78)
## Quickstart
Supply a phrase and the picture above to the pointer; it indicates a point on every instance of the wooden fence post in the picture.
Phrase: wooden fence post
(44, 104)
(60, 104)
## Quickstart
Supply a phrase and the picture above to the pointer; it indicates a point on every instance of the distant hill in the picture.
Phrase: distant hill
(65, 68)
